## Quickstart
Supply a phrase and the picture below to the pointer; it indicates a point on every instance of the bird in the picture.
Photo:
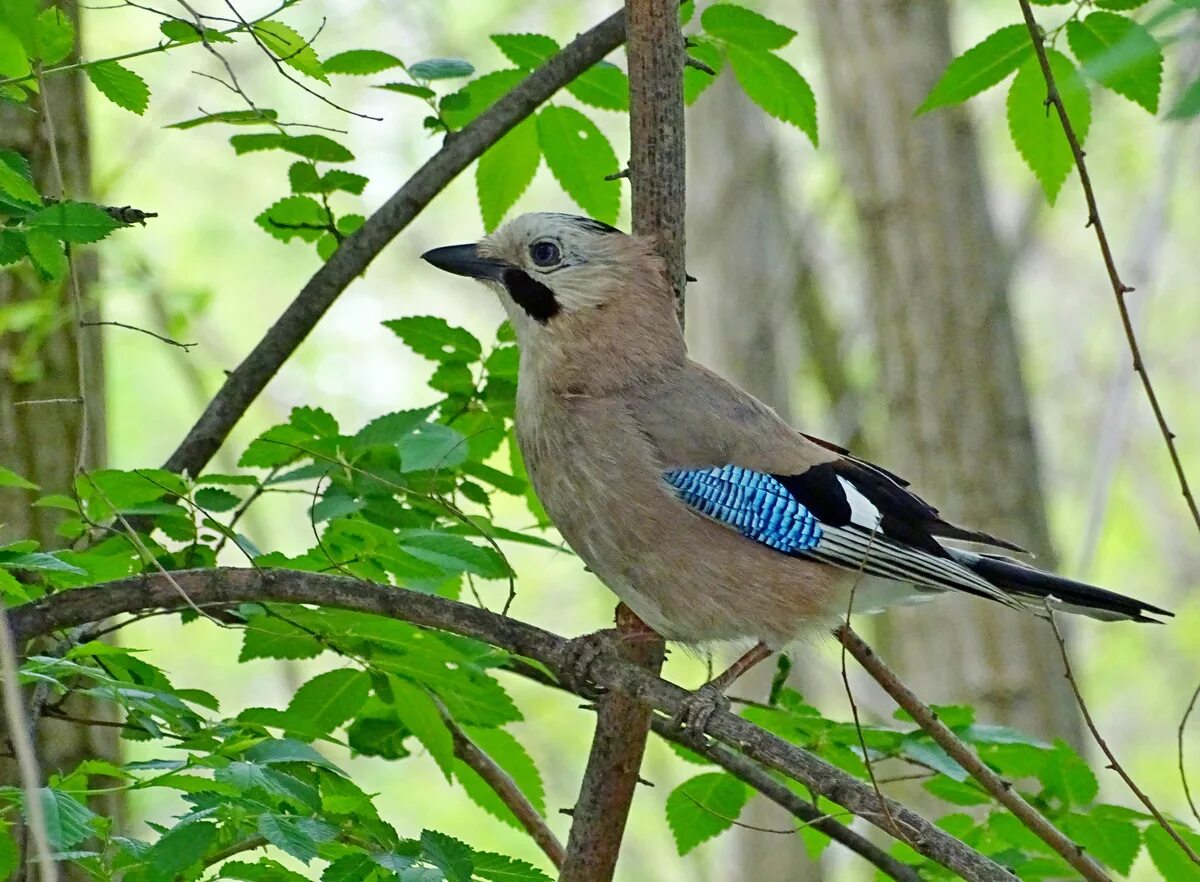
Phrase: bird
(708, 515)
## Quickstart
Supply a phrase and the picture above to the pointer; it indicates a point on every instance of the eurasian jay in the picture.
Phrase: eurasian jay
(703, 511)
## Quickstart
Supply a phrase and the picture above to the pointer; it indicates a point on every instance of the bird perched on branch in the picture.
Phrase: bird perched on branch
(709, 516)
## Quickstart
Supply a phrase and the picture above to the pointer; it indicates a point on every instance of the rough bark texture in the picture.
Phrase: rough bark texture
(958, 419)
(40, 442)
(743, 323)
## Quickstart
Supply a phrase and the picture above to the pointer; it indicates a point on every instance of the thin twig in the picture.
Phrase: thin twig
(1107, 751)
(1187, 791)
(228, 586)
(22, 745)
(1002, 790)
(1120, 289)
(503, 786)
(186, 347)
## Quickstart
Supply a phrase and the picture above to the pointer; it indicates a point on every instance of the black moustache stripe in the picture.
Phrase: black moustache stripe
(531, 295)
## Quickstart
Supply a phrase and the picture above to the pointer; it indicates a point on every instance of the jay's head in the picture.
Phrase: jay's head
(562, 275)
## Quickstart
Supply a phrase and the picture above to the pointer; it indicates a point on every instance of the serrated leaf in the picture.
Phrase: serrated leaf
(1120, 4)
(956, 792)
(500, 868)
(526, 51)
(1115, 843)
(287, 750)
(178, 849)
(695, 82)
(327, 701)
(215, 499)
(290, 48)
(408, 89)
(12, 247)
(1066, 776)
(1188, 104)
(776, 87)
(73, 222)
(288, 835)
(980, 67)
(261, 116)
(510, 755)
(455, 554)
(266, 870)
(459, 108)
(180, 31)
(17, 186)
(742, 27)
(120, 85)
(436, 339)
(300, 217)
(1121, 54)
(317, 147)
(55, 35)
(1169, 859)
(602, 85)
(47, 254)
(9, 478)
(419, 715)
(67, 819)
(703, 806)
(441, 69)
(360, 62)
(1036, 131)
(450, 856)
(505, 171)
(14, 59)
(580, 158)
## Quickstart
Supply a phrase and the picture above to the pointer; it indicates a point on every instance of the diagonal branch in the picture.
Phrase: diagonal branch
(353, 256)
(1120, 289)
(231, 586)
(1002, 790)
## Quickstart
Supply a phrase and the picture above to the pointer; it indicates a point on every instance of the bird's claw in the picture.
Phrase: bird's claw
(577, 658)
(696, 710)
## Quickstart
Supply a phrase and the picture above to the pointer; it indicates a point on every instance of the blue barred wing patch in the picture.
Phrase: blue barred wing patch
(753, 503)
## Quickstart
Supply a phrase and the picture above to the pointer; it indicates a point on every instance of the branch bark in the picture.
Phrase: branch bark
(353, 256)
(226, 587)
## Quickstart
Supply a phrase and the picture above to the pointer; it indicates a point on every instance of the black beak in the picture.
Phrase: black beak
(464, 260)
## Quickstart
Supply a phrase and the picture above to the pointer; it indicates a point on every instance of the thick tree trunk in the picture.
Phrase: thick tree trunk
(958, 419)
(43, 441)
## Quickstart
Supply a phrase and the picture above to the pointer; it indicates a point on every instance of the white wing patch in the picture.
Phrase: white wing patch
(863, 512)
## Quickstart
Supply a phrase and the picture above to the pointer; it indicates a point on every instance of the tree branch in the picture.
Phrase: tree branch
(353, 256)
(1002, 790)
(230, 586)
(1120, 289)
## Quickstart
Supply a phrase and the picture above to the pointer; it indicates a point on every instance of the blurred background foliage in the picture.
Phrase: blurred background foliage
(776, 240)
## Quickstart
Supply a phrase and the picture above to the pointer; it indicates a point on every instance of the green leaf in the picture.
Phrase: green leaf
(360, 62)
(180, 31)
(290, 48)
(1066, 776)
(500, 868)
(436, 339)
(120, 85)
(1116, 843)
(180, 848)
(73, 222)
(287, 750)
(215, 499)
(580, 158)
(459, 108)
(1120, 4)
(47, 254)
(304, 179)
(696, 81)
(526, 51)
(55, 35)
(956, 792)
(9, 478)
(980, 67)
(14, 59)
(440, 69)
(327, 701)
(1188, 104)
(776, 87)
(17, 186)
(68, 821)
(408, 89)
(266, 870)
(418, 713)
(454, 553)
(299, 217)
(602, 85)
(261, 116)
(1169, 859)
(450, 856)
(12, 247)
(1035, 129)
(288, 835)
(1121, 54)
(703, 806)
(505, 171)
(315, 147)
(741, 27)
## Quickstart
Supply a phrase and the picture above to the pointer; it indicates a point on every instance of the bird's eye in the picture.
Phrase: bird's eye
(545, 253)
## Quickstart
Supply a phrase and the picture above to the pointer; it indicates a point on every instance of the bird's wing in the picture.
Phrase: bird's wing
(823, 515)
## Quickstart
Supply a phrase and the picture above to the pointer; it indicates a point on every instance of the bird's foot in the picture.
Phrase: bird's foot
(696, 710)
(578, 656)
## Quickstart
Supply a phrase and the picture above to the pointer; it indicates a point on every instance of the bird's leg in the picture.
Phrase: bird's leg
(694, 713)
(581, 652)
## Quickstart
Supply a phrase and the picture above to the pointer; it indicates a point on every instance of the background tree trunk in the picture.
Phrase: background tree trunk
(42, 441)
(958, 418)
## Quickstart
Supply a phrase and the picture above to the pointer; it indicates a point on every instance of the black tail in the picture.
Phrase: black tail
(1026, 583)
